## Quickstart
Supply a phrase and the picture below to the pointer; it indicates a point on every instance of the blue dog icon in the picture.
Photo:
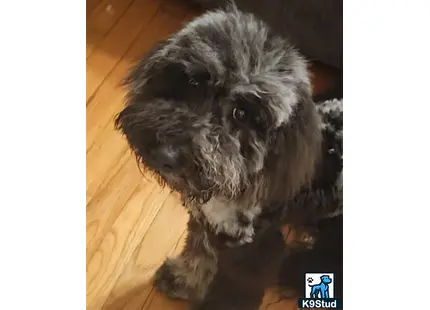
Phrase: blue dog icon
(321, 289)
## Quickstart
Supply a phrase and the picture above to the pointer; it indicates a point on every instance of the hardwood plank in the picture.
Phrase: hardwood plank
(91, 6)
(125, 204)
(111, 201)
(101, 137)
(164, 238)
(106, 262)
(112, 48)
(109, 98)
(101, 20)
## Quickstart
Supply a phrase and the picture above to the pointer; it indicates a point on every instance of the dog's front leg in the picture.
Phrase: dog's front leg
(244, 273)
(188, 276)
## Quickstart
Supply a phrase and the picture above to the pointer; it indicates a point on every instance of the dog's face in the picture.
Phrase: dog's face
(213, 109)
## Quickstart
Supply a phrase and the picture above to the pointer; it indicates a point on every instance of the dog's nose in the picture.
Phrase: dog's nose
(168, 158)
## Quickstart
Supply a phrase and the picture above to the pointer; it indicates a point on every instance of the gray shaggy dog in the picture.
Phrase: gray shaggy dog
(222, 112)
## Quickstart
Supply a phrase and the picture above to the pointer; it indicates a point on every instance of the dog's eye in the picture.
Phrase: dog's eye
(239, 114)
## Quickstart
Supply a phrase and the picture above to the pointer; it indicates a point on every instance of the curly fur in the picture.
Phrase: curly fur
(245, 272)
(231, 103)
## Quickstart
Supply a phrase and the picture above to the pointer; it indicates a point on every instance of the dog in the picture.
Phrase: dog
(222, 112)
(321, 290)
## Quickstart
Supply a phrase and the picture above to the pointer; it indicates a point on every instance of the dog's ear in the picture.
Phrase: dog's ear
(139, 73)
(294, 150)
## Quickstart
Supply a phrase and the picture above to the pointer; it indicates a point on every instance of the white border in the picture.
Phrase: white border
(42, 156)
(386, 154)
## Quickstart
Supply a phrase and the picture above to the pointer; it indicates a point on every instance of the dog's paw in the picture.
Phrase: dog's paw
(230, 221)
(168, 280)
(238, 230)
(243, 236)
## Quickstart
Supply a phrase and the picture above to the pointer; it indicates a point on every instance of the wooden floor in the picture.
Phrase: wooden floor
(132, 224)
